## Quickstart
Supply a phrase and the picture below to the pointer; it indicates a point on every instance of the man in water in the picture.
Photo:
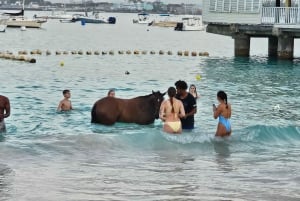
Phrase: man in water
(65, 104)
(189, 104)
(4, 112)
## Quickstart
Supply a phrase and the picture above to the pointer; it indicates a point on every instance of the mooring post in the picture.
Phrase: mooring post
(285, 47)
(241, 45)
(272, 46)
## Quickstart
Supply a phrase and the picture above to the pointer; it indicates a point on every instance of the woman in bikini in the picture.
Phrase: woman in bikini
(223, 112)
(171, 111)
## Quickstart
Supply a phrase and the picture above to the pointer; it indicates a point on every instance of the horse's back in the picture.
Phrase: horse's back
(105, 111)
(140, 110)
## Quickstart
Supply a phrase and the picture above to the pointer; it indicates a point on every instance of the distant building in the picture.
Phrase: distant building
(175, 8)
(33, 5)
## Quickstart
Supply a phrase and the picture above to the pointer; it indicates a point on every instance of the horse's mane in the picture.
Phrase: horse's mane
(145, 96)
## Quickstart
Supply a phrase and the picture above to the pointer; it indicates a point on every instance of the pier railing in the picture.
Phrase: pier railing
(280, 15)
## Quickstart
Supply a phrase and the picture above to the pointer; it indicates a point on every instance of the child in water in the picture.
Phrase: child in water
(65, 104)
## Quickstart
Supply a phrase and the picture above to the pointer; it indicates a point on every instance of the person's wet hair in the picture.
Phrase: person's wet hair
(223, 96)
(171, 94)
(193, 86)
(180, 84)
(66, 91)
(110, 91)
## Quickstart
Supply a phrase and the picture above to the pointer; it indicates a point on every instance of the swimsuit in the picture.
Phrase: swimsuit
(225, 122)
(175, 125)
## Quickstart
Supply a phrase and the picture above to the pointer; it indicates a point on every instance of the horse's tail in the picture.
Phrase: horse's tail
(93, 114)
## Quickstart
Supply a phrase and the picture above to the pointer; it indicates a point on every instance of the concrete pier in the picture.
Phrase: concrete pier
(241, 45)
(272, 46)
(280, 39)
(285, 47)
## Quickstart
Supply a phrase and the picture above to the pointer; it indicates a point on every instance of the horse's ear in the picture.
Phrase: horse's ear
(152, 92)
(163, 94)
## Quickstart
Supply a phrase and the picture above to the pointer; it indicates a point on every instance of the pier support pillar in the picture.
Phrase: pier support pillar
(242, 45)
(272, 46)
(285, 47)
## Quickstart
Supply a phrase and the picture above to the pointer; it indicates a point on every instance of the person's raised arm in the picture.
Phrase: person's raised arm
(217, 111)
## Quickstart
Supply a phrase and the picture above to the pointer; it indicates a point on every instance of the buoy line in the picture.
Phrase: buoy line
(112, 52)
(11, 56)
(22, 55)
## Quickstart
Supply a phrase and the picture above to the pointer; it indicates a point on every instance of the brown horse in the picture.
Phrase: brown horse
(140, 110)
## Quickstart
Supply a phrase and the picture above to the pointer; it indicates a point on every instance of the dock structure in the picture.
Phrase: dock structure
(242, 19)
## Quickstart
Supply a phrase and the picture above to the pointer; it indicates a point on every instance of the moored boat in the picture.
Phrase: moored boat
(95, 19)
(165, 20)
(21, 21)
(17, 19)
(143, 18)
(190, 24)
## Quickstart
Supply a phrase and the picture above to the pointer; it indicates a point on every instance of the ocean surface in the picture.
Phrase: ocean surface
(50, 156)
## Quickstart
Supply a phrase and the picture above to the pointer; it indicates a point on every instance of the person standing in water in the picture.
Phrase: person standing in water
(170, 112)
(223, 112)
(111, 93)
(65, 104)
(193, 91)
(189, 104)
(4, 112)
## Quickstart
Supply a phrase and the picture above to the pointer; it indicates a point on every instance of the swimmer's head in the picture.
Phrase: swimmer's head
(111, 93)
(66, 93)
(222, 96)
(171, 92)
(181, 87)
(180, 84)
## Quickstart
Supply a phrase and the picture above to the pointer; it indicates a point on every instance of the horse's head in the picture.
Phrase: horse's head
(159, 97)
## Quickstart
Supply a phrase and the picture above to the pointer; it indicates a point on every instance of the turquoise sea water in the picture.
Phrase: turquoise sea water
(47, 155)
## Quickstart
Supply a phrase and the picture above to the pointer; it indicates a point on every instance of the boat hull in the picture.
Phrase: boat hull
(193, 28)
(29, 23)
(163, 24)
(90, 20)
(110, 20)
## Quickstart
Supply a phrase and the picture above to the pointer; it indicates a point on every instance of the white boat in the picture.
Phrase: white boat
(56, 14)
(17, 19)
(165, 20)
(21, 21)
(3, 23)
(143, 18)
(190, 24)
